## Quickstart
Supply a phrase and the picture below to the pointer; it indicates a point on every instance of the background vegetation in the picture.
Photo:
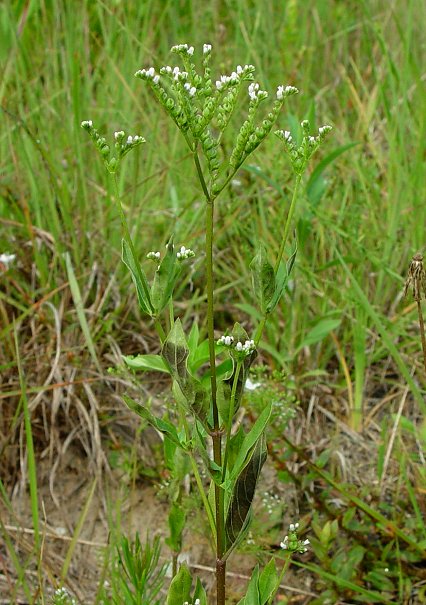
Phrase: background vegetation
(344, 345)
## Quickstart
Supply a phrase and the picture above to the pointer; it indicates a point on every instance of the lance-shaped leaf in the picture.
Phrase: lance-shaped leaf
(180, 588)
(200, 593)
(175, 351)
(281, 279)
(161, 425)
(252, 596)
(238, 515)
(262, 586)
(176, 526)
(138, 277)
(263, 278)
(165, 278)
(247, 445)
(146, 362)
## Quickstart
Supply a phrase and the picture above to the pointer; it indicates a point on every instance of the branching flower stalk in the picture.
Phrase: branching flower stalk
(202, 110)
(417, 280)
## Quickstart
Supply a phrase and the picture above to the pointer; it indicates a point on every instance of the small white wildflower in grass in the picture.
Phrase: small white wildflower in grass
(207, 48)
(185, 253)
(7, 259)
(292, 542)
(252, 386)
(225, 340)
(153, 255)
(190, 51)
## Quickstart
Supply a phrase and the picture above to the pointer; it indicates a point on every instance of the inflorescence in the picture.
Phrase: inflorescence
(245, 348)
(202, 107)
(292, 543)
(300, 155)
(123, 144)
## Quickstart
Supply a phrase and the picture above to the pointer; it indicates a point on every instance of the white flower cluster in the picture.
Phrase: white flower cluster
(7, 259)
(235, 76)
(175, 72)
(323, 130)
(255, 92)
(148, 74)
(183, 48)
(207, 48)
(225, 340)
(153, 255)
(292, 543)
(246, 348)
(285, 91)
(190, 89)
(185, 253)
(131, 140)
(87, 124)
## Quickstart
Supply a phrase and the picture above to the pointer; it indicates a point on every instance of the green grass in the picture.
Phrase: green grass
(360, 216)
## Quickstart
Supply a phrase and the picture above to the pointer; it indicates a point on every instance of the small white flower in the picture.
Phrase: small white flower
(324, 129)
(219, 85)
(150, 72)
(252, 90)
(207, 49)
(153, 255)
(239, 346)
(156, 79)
(239, 70)
(185, 253)
(87, 124)
(119, 134)
(7, 259)
(287, 136)
(190, 51)
(312, 140)
(290, 90)
(251, 386)
(129, 140)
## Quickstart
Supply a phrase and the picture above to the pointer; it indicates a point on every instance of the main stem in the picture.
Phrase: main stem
(422, 330)
(216, 432)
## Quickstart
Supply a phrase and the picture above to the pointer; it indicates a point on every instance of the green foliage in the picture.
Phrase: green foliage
(139, 577)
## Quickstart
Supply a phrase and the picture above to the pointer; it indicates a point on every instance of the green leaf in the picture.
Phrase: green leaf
(268, 582)
(175, 351)
(317, 184)
(238, 515)
(146, 362)
(263, 278)
(319, 332)
(200, 593)
(165, 279)
(161, 425)
(138, 277)
(249, 442)
(176, 526)
(180, 588)
(281, 279)
(252, 596)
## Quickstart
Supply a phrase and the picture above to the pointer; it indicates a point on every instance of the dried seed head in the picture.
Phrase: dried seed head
(416, 278)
